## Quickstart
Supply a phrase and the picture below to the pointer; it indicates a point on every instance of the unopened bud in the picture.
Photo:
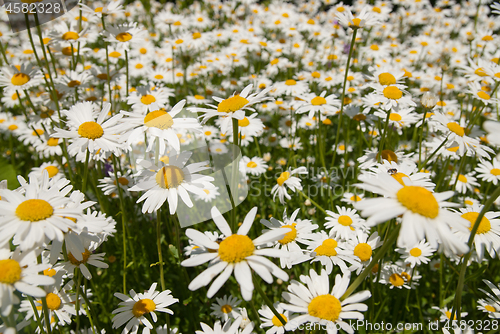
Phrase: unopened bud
(311, 211)
(429, 100)
(267, 157)
(307, 202)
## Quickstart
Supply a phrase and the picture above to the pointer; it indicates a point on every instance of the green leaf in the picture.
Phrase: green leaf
(7, 172)
(174, 251)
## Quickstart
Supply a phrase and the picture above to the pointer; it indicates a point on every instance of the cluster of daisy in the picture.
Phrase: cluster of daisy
(376, 125)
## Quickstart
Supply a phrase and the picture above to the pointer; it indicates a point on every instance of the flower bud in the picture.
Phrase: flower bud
(429, 100)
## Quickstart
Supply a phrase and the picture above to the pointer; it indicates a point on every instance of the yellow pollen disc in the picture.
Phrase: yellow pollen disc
(74, 83)
(49, 272)
(143, 51)
(244, 122)
(483, 95)
(283, 177)
(418, 200)
(392, 92)
(277, 322)
(98, 10)
(495, 171)
(355, 23)
(395, 117)
(196, 35)
(123, 181)
(20, 79)
(318, 101)
(53, 142)
(462, 178)
(139, 66)
(327, 248)
(102, 76)
(70, 35)
(38, 132)
(142, 307)
(34, 210)
(274, 61)
(399, 177)
(326, 307)
(148, 99)
(290, 236)
(490, 308)
(481, 72)
(85, 256)
(179, 41)
(158, 119)
(456, 128)
(484, 225)
(374, 47)
(169, 177)
(10, 271)
(396, 280)
(115, 54)
(123, 37)
(251, 164)
(226, 308)
(52, 170)
(389, 156)
(199, 97)
(53, 301)
(359, 117)
(345, 220)
(416, 252)
(236, 248)
(232, 104)
(90, 130)
(363, 251)
(158, 77)
(316, 74)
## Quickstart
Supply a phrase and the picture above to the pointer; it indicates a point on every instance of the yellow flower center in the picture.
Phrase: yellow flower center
(53, 142)
(158, 77)
(196, 35)
(143, 51)
(355, 23)
(199, 97)
(395, 117)
(34, 210)
(363, 251)
(122, 180)
(226, 308)
(159, 119)
(396, 280)
(345, 220)
(148, 99)
(283, 177)
(232, 104)
(483, 95)
(74, 83)
(10, 271)
(419, 200)
(495, 171)
(251, 164)
(277, 322)
(85, 256)
(53, 301)
(481, 72)
(490, 308)
(325, 307)
(49, 272)
(52, 170)
(456, 128)
(70, 35)
(327, 248)
(318, 101)
(90, 130)
(236, 248)
(20, 79)
(123, 37)
(115, 54)
(386, 79)
(392, 92)
(484, 225)
(290, 236)
(244, 122)
(169, 177)
(416, 252)
(142, 307)
(290, 82)
(389, 156)
(462, 178)
(399, 177)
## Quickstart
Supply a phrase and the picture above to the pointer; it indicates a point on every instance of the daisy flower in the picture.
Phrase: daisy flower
(167, 182)
(158, 124)
(19, 271)
(391, 97)
(396, 277)
(20, 79)
(268, 319)
(478, 93)
(125, 35)
(228, 328)
(109, 185)
(238, 253)
(255, 166)
(301, 232)
(147, 98)
(446, 314)
(89, 129)
(424, 213)
(287, 180)
(492, 303)
(487, 236)
(134, 308)
(233, 107)
(37, 215)
(465, 183)
(344, 224)
(290, 87)
(489, 171)
(417, 254)
(312, 104)
(316, 303)
(226, 307)
(455, 133)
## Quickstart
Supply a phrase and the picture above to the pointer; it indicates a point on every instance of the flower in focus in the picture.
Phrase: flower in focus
(286, 179)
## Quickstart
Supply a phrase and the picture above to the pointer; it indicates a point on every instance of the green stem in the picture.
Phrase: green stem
(86, 172)
(382, 139)
(37, 316)
(158, 245)
(267, 300)
(234, 175)
(46, 315)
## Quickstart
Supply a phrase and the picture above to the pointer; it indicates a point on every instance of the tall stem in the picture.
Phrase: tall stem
(158, 245)
(267, 300)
